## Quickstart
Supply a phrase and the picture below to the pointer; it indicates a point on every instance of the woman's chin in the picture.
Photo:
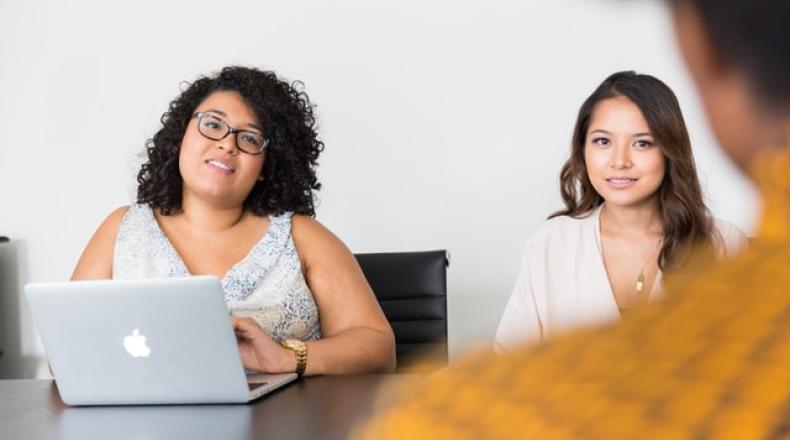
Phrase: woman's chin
(218, 196)
(623, 200)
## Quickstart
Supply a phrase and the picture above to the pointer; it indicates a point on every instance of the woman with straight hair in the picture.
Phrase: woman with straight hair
(634, 209)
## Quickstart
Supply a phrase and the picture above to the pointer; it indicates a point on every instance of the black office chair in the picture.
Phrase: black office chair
(412, 290)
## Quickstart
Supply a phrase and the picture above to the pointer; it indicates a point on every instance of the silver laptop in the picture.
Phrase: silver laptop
(152, 341)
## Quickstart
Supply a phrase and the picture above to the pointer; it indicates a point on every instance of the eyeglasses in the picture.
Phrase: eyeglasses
(216, 129)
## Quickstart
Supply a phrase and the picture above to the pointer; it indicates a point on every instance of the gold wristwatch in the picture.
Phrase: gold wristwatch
(300, 351)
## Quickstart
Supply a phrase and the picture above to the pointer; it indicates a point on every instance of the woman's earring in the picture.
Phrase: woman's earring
(260, 178)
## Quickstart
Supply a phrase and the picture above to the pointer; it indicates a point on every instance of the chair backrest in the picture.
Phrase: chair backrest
(412, 290)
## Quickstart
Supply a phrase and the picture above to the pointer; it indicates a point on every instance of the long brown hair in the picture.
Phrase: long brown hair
(685, 219)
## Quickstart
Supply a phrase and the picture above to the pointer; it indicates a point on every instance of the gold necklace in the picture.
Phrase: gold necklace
(640, 279)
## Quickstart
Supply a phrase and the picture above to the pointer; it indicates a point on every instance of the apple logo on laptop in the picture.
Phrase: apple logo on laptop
(135, 345)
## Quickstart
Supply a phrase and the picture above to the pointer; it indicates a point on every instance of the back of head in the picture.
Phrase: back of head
(754, 37)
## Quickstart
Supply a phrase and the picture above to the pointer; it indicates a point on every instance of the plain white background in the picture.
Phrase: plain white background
(445, 122)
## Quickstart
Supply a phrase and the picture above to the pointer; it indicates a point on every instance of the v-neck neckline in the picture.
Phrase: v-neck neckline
(171, 249)
(651, 295)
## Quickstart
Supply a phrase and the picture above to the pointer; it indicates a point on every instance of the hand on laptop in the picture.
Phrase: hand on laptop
(259, 351)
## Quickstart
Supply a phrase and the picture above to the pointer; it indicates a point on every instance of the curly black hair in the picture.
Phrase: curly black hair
(284, 110)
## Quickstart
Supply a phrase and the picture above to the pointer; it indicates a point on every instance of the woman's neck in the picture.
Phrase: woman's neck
(207, 216)
(636, 220)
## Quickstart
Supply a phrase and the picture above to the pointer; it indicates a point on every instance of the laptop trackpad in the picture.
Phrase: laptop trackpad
(263, 383)
(255, 386)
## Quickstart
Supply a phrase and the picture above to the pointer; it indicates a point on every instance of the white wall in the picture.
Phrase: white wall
(445, 122)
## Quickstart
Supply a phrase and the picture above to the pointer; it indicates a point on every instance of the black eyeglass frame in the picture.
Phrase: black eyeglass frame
(231, 130)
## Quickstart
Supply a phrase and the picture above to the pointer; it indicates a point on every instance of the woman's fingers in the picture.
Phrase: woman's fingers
(249, 358)
(244, 326)
(254, 338)
(259, 351)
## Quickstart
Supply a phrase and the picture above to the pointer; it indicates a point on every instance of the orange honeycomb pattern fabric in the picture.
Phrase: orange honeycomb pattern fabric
(711, 361)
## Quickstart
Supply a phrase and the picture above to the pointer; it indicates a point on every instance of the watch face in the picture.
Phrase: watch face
(294, 344)
(300, 351)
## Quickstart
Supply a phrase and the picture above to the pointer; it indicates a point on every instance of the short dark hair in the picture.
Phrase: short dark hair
(286, 114)
(753, 35)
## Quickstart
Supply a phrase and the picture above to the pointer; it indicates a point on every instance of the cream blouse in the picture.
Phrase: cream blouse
(562, 284)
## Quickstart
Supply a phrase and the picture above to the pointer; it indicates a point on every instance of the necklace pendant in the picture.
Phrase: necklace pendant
(640, 282)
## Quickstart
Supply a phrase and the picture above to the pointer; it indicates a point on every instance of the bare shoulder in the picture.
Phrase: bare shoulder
(96, 259)
(305, 228)
(116, 216)
(110, 226)
(312, 239)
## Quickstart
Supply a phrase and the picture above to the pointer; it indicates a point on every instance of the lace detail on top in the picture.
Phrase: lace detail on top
(266, 285)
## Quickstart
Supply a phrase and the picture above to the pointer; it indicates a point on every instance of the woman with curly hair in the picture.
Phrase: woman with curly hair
(228, 191)
(633, 208)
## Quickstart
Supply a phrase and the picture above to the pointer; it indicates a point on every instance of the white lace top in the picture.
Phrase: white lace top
(266, 285)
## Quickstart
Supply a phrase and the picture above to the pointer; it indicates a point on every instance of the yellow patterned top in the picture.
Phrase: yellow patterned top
(711, 361)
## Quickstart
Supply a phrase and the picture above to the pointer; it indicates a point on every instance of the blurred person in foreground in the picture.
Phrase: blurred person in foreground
(713, 359)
